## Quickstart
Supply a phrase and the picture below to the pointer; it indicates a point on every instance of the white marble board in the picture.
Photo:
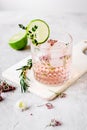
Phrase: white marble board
(79, 65)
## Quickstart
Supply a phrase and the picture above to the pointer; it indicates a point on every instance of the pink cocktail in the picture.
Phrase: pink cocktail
(52, 60)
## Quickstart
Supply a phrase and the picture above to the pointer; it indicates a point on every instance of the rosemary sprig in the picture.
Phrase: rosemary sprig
(23, 77)
(22, 26)
(31, 33)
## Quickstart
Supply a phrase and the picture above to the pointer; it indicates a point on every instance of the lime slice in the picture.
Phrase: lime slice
(42, 32)
(18, 41)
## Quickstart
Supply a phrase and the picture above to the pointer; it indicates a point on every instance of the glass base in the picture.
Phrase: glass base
(56, 76)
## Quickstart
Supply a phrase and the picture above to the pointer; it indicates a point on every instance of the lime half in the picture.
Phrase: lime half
(18, 41)
(42, 32)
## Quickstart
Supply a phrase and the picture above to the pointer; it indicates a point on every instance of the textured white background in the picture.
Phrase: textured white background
(45, 6)
(72, 110)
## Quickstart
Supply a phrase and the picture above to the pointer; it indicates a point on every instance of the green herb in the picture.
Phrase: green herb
(23, 77)
(34, 28)
(34, 41)
(32, 36)
(67, 44)
(22, 26)
(31, 33)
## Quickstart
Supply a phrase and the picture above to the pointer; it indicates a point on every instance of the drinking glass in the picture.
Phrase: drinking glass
(52, 60)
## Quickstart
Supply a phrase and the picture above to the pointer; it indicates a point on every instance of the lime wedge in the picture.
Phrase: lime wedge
(42, 31)
(18, 41)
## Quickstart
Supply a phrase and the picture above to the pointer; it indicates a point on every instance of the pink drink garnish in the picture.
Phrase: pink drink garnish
(45, 59)
(52, 42)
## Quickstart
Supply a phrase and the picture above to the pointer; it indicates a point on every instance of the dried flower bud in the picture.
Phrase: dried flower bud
(54, 123)
(49, 106)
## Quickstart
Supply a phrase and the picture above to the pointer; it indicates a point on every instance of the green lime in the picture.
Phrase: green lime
(18, 41)
(39, 29)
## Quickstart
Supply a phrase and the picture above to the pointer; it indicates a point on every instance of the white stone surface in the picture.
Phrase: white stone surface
(71, 111)
(44, 6)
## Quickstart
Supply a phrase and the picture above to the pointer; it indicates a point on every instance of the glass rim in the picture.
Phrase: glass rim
(60, 41)
(64, 33)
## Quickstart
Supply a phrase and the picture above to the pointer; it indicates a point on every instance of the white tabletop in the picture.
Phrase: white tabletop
(71, 111)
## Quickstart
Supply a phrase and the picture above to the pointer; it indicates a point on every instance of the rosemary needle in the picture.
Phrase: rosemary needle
(23, 77)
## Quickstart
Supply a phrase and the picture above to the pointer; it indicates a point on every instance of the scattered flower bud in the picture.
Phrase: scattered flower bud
(22, 105)
(54, 123)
